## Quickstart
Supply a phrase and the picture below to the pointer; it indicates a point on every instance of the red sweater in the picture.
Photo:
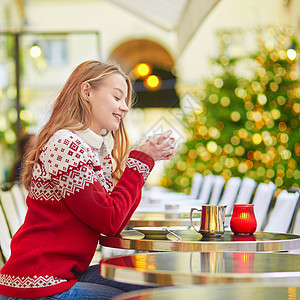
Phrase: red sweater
(67, 210)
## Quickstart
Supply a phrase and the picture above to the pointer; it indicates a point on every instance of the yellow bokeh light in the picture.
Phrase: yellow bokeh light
(256, 86)
(240, 92)
(235, 140)
(217, 167)
(35, 51)
(273, 86)
(240, 150)
(142, 70)
(184, 181)
(281, 100)
(291, 54)
(296, 108)
(225, 101)
(242, 168)
(213, 98)
(214, 132)
(181, 165)
(262, 99)
(25, 115)
(235, 116)
(218, 82)
(257, 116)
(10, 136)
(228, 148)
(256, 138)
(278, 181)
(275, 114)
(202, 130)
(282, 137)
(270, 173)
(286, 154)
(261, 171)
(242, 133)
(193, 154)
(212, 147)
(152, 82)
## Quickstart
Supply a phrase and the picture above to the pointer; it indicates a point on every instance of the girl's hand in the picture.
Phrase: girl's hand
(159, 148)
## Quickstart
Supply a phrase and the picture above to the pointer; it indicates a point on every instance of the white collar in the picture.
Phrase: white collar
(90, 137)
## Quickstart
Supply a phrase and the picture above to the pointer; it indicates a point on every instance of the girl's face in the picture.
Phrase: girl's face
(108, 103)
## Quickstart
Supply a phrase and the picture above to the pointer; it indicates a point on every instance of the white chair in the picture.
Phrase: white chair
(10, 211)
(217, 190)
(5, 236)
(25, 192)
(196, 185)
(284, 213)
(231, 190)
(156, 194)
(205, 191)
(247, 188)
(296, 229)
(262, 201)
(150, 207)
(19, 200)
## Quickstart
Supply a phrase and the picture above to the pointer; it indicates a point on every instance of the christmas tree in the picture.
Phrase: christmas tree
(249, 124)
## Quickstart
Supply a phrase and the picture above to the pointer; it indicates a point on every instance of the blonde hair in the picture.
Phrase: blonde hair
(71, 111)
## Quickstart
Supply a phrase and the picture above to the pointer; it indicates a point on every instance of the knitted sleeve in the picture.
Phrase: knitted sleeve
(70, 168)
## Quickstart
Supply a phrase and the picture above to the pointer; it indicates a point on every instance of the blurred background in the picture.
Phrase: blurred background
(222, 74)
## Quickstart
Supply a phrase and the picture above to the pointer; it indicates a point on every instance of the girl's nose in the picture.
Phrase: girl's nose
(124, 106)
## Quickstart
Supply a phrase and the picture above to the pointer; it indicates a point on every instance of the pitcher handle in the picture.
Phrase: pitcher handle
(191, 218)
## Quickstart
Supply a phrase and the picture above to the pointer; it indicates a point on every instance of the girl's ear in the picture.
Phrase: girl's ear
(85, 90)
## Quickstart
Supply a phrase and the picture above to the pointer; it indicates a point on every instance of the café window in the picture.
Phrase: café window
(55, 51)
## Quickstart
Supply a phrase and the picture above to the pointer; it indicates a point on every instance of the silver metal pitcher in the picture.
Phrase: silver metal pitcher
(212, 220)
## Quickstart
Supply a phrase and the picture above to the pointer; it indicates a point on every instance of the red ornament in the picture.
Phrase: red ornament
(243, 221)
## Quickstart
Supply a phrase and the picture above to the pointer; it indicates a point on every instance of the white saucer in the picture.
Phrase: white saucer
(155, 232)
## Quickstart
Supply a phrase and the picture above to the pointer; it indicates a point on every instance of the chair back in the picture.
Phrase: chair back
(231, 190)
(217, 190)
(263, 197)
(19, 200)
(5, 236)
(24, 191)
(196, 185)
(247, 188)
(282, 217)
(206, 188)
(296, 228)
(10, 211)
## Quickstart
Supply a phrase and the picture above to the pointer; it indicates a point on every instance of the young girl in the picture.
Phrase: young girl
(72, 192)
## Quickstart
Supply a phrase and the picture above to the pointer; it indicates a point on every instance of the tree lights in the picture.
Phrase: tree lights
(249, 125)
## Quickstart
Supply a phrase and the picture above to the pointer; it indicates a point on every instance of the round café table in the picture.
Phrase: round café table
(159, 219)
(217, 292)
(163, 215)
(166, 219)
(193, 268)
(158, 223)
(189, 240)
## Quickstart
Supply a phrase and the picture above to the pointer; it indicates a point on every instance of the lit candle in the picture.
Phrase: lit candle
(243, 220)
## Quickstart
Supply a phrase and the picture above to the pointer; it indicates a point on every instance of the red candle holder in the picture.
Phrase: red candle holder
(243, 221)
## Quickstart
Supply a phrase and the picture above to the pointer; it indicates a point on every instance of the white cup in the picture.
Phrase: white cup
(166, 140)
